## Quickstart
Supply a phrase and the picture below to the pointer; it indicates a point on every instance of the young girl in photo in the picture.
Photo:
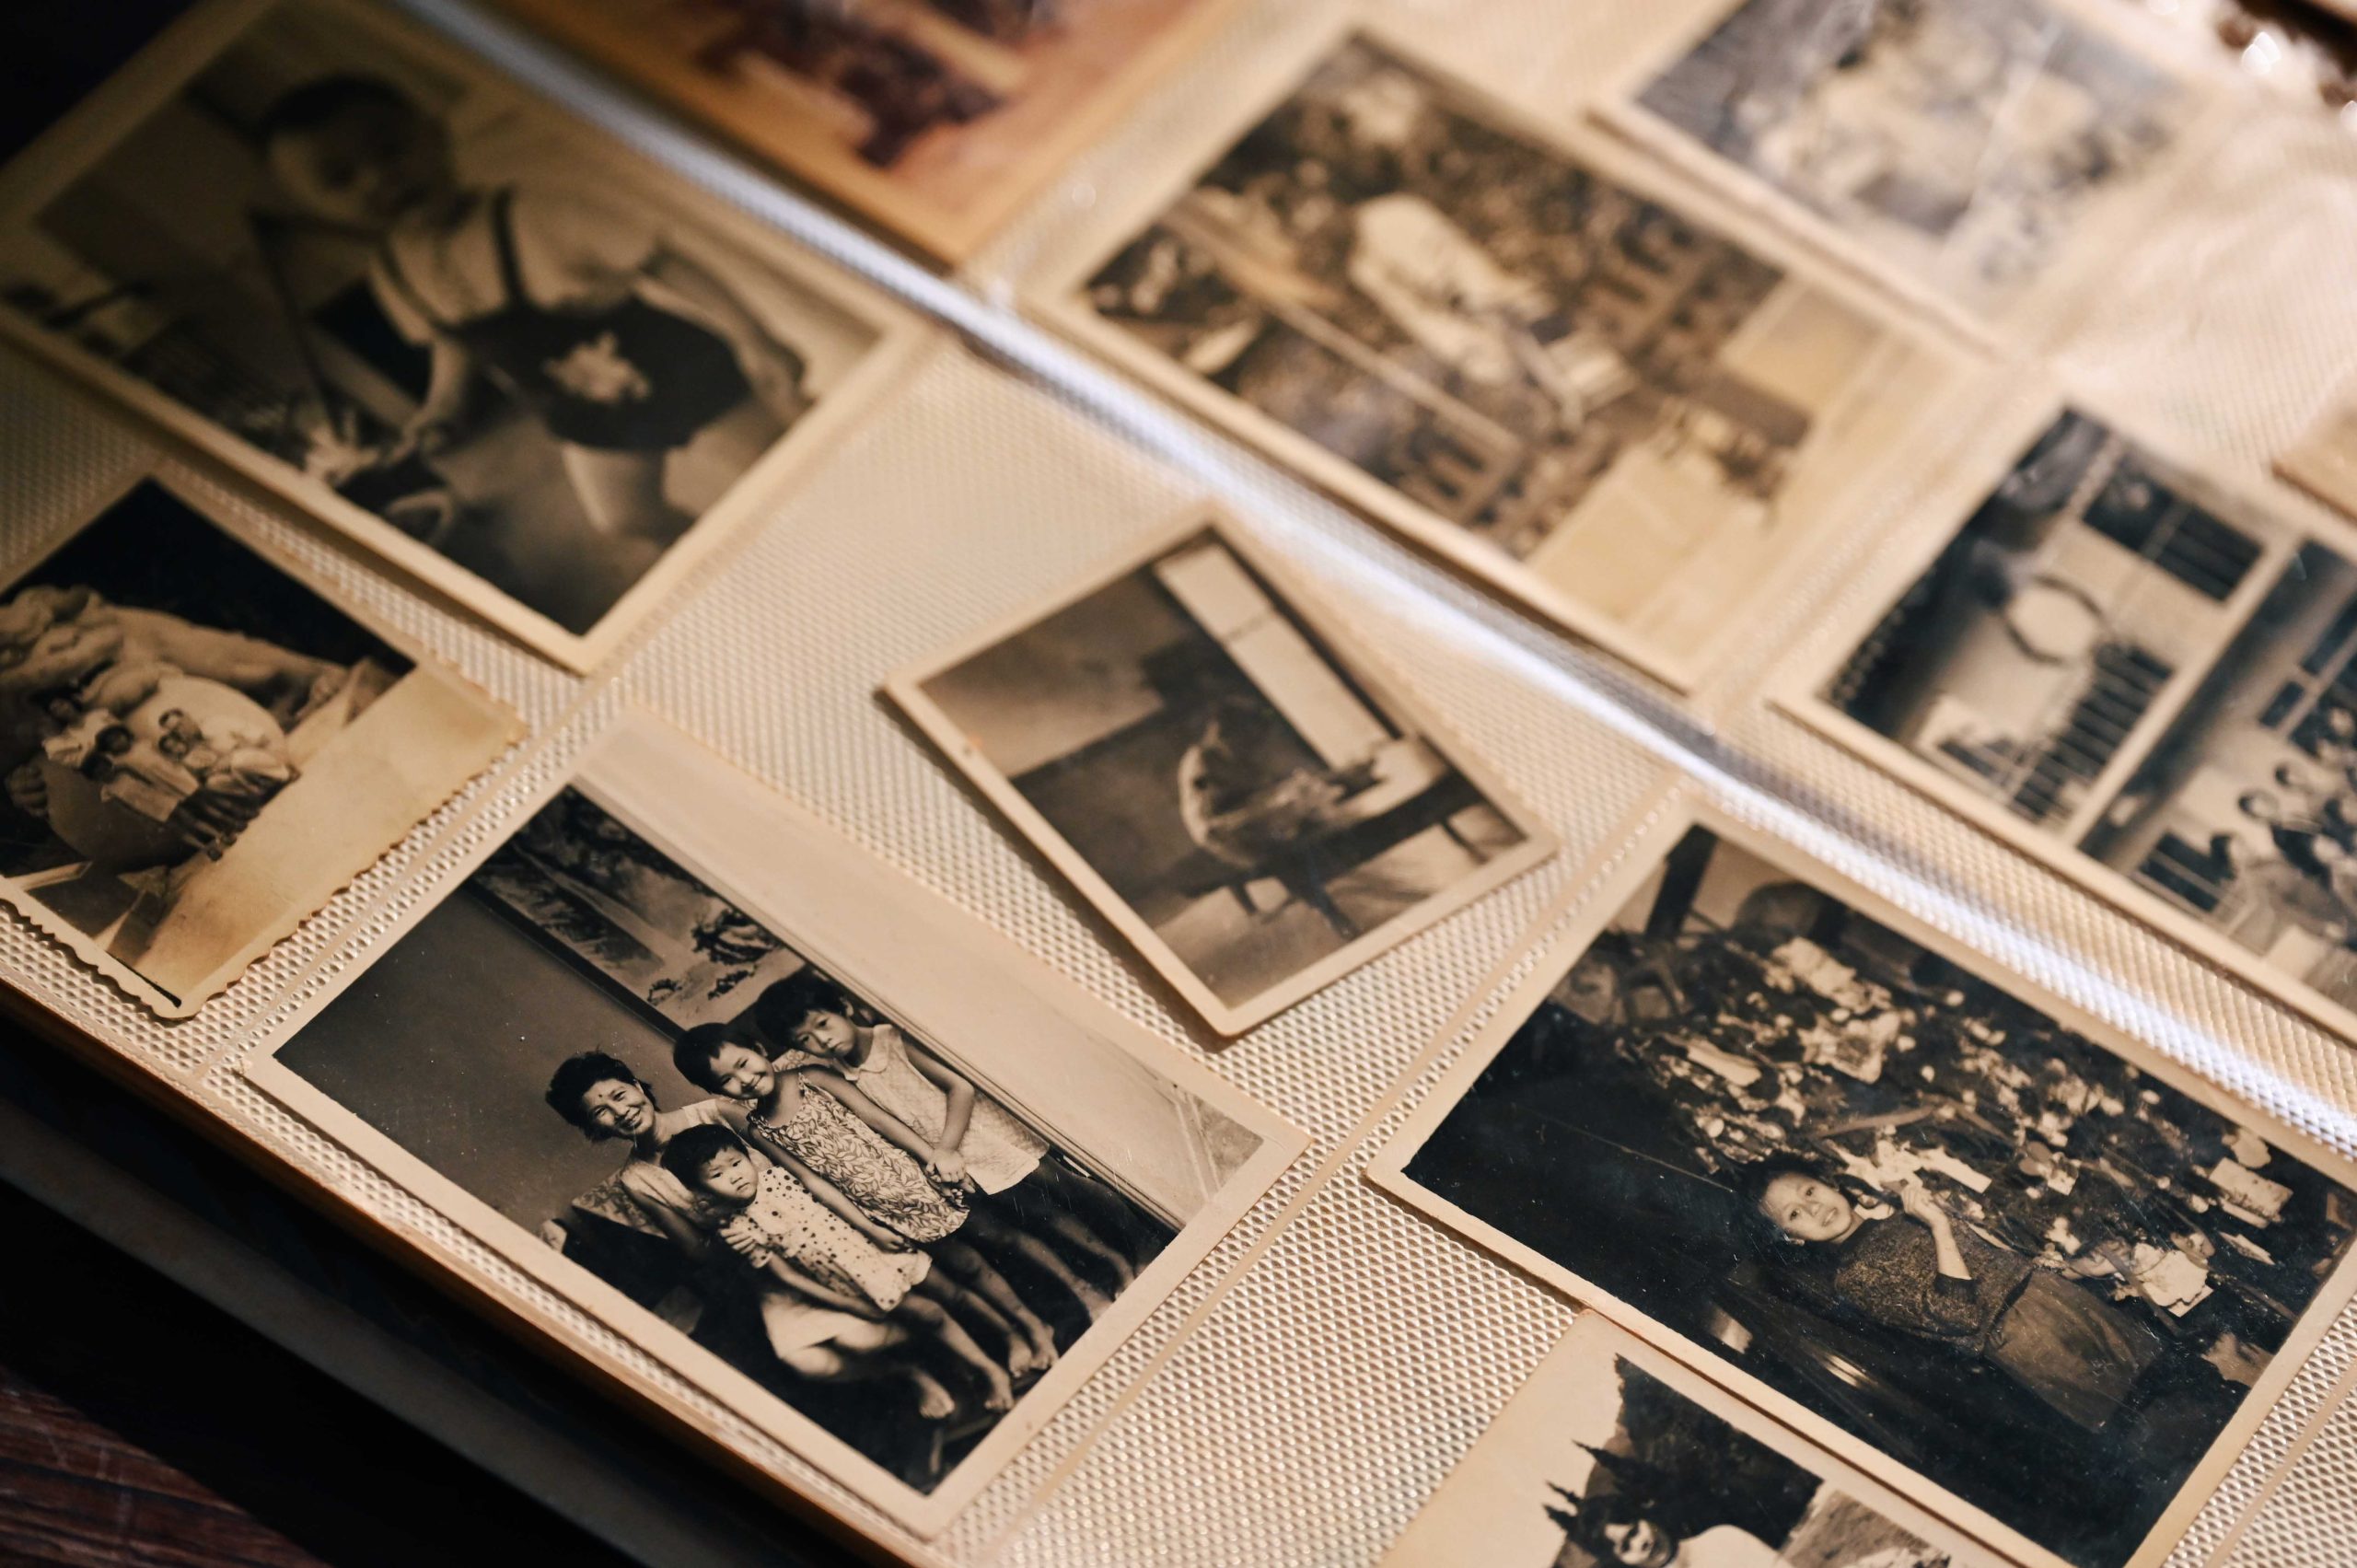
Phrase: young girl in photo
(848, 1290)
(820, 1122)
(972, 1138)
(624, 348)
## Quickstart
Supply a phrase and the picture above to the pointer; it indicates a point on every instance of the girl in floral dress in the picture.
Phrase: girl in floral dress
(845, 1294)
(972, 1136)
(815, 1117)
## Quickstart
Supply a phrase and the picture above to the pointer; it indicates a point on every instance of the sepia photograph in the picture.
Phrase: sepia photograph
(2149, 684)
(936, 120)
(198, 750)
(892, 1218)
(1221, 775)
(438, 313)
(1613, 1456)
(2022, 1268)
(1491, 337)
(1970, 149)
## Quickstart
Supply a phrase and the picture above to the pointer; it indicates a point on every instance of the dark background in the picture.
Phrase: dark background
(141, 1422)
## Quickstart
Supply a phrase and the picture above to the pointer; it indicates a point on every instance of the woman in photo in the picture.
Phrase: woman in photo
(625, 348)
(599, 1094)
(1920, 1273)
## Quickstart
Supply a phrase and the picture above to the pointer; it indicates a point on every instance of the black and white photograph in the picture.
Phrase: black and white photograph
(198, 750)
(434, 309)
(1495, 338)
(2151, 685)
(1964, 146)
(1983, 1250)
(1245, 797)
(914, 1210)
(1611, 1455)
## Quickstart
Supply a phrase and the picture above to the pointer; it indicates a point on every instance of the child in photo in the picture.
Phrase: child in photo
(848, 1291)
(973, 1137)
(628, 351)
(815, 1119)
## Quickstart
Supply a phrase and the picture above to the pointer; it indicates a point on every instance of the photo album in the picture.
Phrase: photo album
(1209, 782)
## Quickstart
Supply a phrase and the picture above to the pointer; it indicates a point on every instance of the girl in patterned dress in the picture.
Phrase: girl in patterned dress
(841, 1287)
(972, 1136)
(815, 1117)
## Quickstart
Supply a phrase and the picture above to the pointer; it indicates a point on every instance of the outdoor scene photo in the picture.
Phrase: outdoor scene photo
(2168, 690)
(587, 1038)
(453, 306)
(1612, 404)
(1598, 1463)
(1991, 1248)
(1187, 738)
(198, 750)
(1961, 141)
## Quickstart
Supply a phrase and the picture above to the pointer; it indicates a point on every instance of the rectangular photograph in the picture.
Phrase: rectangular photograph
(1973, 151)
(936, 120)
(2032, 1274)
(1507, 345)
(443, 315)
(1613, 1456)
(198, 750)
(1222, 774)
(2149, 685)
(665, 1049)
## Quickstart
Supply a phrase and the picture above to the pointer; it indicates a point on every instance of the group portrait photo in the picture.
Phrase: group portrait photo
(902, 1233)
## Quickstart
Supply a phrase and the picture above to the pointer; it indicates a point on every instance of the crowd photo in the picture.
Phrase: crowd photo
(2158, 681)
(196, 748)
(587, 1038)
(457, 311)
(1964, 140)
(1599, 1462)
(1992, 1248)
(1615, 404)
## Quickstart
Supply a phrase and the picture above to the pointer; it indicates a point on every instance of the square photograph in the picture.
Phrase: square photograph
(434, 310)
(1969, 149)
(2019, 1267)
(198, 750)
(1230, 784)
(2147, 682)
(891, 1218)
(1501, 342)
(1612, 1456)
(934, 119)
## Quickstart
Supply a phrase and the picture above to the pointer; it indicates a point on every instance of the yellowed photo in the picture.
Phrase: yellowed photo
(934, 119)
(1976, 153)
(2032, 1274)
(441, 314)
(200, 751)
(1527, 355)
(823, 1148)
(1613, 1456)
(1221, 775)
(2144, 680)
